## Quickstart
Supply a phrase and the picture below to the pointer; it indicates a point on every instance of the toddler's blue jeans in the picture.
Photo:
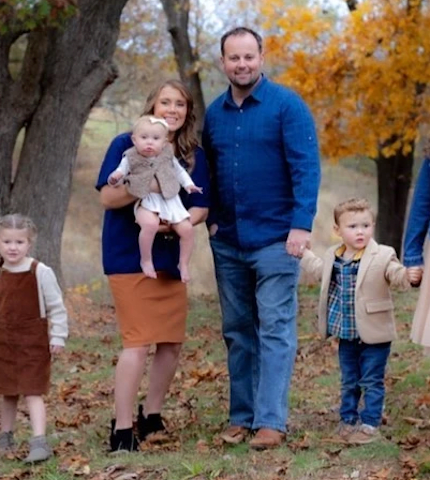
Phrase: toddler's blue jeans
(362, 367)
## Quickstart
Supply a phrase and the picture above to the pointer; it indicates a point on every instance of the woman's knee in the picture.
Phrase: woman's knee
(135, 355)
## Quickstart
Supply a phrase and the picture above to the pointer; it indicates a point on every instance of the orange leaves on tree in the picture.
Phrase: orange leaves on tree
(364, 75)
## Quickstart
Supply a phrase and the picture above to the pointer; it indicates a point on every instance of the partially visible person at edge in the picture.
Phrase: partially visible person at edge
(415, 257)
(149, 311)
(262, 149)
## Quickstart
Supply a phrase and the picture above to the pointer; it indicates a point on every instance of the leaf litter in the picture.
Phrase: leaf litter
(79, 409)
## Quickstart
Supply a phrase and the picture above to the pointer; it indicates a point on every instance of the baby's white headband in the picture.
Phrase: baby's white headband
(163, 122)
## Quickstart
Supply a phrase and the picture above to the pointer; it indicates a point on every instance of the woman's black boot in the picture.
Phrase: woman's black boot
(151, 424)
(123, 440)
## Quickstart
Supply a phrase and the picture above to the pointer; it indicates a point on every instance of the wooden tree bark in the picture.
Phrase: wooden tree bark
(177, 13)
(394, 182)
(64, 72)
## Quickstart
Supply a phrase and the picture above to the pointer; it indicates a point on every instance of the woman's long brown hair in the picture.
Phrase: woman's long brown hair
(185, 138)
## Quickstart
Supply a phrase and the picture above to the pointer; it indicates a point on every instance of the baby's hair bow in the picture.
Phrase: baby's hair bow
(163, 122)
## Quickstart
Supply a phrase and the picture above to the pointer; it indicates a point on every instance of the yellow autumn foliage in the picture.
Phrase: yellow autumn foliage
(364, 75)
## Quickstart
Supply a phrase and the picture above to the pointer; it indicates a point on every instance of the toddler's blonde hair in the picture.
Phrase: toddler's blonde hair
(16, 221)
(355, 204)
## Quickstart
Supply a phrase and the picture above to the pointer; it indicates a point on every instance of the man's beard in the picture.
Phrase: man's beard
(246, 86)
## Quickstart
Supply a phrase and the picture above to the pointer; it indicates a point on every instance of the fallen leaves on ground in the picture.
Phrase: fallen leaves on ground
(80, 408)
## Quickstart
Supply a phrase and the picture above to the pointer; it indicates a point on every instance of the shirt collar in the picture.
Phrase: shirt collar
(340, 251)
(256, 94)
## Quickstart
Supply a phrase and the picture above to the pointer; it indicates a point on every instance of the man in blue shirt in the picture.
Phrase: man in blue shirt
(261, 143)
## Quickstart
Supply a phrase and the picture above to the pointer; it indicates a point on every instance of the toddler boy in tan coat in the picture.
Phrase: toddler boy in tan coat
(356, 307)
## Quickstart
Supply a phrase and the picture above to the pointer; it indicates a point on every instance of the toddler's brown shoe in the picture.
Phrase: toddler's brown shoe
(364, 434)
(345, 430)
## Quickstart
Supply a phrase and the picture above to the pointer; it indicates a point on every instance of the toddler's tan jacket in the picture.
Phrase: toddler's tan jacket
(374, 310)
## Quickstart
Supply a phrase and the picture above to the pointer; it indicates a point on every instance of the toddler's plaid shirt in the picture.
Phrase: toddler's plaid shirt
(341, 293)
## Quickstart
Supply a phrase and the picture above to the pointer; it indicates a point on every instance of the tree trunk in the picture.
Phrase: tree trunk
(394, 181)
(352, 5)
(65, 70)
(177, 13)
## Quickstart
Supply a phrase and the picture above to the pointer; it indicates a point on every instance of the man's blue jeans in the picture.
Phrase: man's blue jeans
(362, 368)
(258, 296)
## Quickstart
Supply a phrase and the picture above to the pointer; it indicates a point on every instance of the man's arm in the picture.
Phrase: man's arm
(302, 155)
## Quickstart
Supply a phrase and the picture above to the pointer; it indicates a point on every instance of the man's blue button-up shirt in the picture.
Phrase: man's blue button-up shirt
(265, 165)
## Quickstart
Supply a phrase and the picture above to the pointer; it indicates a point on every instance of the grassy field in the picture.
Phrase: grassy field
(80, 408)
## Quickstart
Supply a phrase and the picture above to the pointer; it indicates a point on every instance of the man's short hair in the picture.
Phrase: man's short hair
(352, 205)
(242, 31)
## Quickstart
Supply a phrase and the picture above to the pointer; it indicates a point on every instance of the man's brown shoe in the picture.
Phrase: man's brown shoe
(234, 434)
(267, 438)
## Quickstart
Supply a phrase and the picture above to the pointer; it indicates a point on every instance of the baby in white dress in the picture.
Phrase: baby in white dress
(149, 167)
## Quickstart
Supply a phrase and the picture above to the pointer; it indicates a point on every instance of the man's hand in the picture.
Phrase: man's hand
(213, 229)
(297, 241)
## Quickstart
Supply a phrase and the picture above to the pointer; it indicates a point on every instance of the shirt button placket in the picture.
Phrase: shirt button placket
(236, 170)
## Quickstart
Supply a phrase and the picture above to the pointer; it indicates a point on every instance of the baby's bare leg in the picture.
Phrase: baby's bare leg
(186, 240)
(148, 223)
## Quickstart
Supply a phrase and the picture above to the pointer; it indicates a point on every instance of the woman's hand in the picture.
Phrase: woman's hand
(197, 215)
(165, 227)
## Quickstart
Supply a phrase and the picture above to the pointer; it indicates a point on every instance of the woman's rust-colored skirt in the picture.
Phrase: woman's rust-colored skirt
(148, 310)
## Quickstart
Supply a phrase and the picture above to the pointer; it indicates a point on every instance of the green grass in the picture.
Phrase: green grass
(377, 450)
(306, 462)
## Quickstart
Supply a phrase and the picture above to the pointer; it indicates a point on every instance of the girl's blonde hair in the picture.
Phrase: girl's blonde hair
(17, 221)
(185, 138)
